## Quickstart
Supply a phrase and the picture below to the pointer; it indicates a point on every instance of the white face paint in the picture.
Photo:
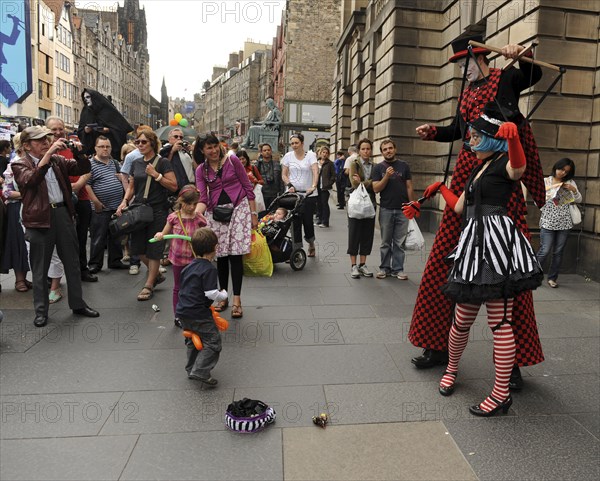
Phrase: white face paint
(87, 98)
(472, 71)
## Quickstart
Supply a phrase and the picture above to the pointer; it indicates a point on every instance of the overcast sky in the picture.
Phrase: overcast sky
(186, 38)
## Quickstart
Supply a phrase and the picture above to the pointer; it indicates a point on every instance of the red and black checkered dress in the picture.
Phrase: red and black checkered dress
(434, 311)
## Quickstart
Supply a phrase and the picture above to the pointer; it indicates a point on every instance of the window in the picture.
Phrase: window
(68, 111)
(316, 114)
(292, 112)
(57, 87)
(59, 110)
(43, 113)
(47, 63)
(40, 90)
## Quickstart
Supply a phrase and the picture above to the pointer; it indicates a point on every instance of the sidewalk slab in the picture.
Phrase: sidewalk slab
(65, 459)
(209, 456)
(536, 447)
(395, 452)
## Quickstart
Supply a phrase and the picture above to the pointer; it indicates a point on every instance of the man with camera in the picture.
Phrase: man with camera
(181, 161)
(106, 193)
(43, 179)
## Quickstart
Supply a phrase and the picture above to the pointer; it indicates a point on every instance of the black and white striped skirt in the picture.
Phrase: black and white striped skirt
(500, 266)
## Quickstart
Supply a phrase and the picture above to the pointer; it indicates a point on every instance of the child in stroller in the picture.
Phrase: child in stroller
(283, 211)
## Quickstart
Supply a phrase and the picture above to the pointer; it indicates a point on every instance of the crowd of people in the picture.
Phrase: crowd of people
(57, 192)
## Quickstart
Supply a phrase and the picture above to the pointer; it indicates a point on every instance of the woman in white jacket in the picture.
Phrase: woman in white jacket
(555, 221)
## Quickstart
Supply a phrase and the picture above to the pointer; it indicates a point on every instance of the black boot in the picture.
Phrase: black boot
(516, 381)
(430, 358)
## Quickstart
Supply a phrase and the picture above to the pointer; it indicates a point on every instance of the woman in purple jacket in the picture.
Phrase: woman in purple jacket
(227, 202)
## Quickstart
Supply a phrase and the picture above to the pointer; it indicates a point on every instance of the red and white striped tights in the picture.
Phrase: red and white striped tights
(504, 345)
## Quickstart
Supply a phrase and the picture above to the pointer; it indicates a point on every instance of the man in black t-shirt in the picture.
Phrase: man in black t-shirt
(392, 179)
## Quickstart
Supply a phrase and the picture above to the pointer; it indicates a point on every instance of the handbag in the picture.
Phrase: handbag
(360, 205)
(414, 239)
(222, 213)
(134, 217)
(575, 213)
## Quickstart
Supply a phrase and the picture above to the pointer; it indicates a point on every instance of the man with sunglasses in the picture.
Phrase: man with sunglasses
(183, 165)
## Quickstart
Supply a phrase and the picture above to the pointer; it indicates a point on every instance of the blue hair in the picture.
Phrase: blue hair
(490, 144)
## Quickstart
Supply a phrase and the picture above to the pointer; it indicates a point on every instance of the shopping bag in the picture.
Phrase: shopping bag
(360, 205)
(258, 263)
(414, 239)
(259, 200)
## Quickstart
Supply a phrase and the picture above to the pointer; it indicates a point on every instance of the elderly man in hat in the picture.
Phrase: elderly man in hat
(432, 316)
(43, 178)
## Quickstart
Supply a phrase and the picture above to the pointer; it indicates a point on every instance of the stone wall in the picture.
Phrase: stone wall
(311, 31)
(392, 74)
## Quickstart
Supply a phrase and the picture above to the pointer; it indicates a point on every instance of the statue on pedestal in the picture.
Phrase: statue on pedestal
(269, 127)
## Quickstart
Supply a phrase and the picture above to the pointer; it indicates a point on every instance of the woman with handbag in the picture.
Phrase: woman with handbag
(556, 220)
(361, 231)
(300, 173)
(151, 181)
(227, 202)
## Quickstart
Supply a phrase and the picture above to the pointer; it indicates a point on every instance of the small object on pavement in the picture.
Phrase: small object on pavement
(321, 420)
(155, 308)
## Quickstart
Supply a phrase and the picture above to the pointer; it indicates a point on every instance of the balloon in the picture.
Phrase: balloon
(171, 236)
(173, 122)
(184, 122)
(178, 117)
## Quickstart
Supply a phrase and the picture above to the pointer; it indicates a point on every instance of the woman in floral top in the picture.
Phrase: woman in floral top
(556, 221)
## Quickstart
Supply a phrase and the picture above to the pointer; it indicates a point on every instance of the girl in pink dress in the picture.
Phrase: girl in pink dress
(183, 221)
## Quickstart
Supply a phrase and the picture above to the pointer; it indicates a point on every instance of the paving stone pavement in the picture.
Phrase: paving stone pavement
(108, 398)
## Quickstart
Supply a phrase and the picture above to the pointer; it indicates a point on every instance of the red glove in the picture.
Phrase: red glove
(412, 209)
(507, 131)
(516, 156)
(432, 190)
(449, 196)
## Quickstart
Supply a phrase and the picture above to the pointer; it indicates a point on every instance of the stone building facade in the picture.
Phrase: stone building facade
(234, 99)
(119, 70)
(73, 49)
(304, 56)
(392, 74)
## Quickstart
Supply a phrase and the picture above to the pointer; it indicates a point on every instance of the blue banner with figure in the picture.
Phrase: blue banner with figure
(15, 52)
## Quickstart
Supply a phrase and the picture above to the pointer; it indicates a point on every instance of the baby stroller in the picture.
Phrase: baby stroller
(284, 247)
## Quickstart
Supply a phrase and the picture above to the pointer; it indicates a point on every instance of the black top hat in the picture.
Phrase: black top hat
(491, 119)
(459, 47)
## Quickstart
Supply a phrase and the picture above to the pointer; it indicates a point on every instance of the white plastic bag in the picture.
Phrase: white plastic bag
(360, 205)
(259, 200)
(414, 239)
(575, 213)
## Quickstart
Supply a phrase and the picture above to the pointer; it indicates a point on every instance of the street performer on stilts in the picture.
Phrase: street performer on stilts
(433, 313)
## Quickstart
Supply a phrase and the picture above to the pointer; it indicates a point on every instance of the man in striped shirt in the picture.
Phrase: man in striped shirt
(106, 193)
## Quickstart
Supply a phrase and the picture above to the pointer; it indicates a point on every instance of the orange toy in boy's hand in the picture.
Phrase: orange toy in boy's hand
(222, 324)
(195, 339)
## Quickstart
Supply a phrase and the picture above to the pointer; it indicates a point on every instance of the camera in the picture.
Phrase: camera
(71, 145)
(185, 144)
